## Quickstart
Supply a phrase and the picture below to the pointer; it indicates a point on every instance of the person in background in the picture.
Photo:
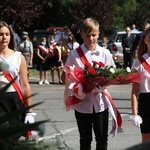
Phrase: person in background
(71, 44)
(26, 48)
(64, 40)
(139, 36)
(133, 29)
(43, 60)
(105, 44)
(16, 38)
(18, 95)
(55, 59)
(127, 42)
(140, 93)
(56, 36)
(65, 35)
(92, 112)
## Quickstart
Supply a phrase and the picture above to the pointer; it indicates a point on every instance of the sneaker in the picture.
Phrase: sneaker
(46, 82)
(41, 82)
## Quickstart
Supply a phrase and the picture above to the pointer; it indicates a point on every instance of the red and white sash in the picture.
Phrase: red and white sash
(43, 49)
(51, 47)
(145, 64)
(117, 120)
(16, 84)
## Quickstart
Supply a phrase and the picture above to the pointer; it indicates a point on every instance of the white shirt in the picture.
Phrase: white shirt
(94, 99)
(145, 76)
(134, 30)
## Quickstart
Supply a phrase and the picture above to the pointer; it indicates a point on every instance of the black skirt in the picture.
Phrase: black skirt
(54, 61)
(144, 111)
(9, 102)
(43, 66)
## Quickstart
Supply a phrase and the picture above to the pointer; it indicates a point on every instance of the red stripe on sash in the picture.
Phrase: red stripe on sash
(15, 85)
(82, 56)
(145, 64)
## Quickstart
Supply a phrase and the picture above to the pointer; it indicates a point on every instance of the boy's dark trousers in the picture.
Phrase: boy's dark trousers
(99, 123)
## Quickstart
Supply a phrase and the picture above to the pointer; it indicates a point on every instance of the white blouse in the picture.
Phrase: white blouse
(145, 76)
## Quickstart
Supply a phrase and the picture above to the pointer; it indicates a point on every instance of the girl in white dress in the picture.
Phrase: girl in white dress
(140, 96)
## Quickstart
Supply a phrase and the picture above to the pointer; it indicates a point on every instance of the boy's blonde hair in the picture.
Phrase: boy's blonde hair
(89, 25)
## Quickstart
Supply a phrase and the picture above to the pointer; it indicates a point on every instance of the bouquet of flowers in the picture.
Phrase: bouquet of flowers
(87, 79)
(97, 75)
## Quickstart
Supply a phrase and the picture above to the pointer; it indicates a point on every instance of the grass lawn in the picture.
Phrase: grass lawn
(33, 71)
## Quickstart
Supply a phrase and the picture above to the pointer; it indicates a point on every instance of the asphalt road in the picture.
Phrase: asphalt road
(62, 124)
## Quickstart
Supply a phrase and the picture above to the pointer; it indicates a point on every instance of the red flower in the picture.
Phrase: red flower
(91, 71)
(101, 64)
(95, 62)
(98, 63)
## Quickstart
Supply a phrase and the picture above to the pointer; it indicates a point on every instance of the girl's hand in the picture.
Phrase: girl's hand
(136, 120)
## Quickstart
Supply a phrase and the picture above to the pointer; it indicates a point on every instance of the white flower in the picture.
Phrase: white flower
(96, 66)
(128, 69)
(112, 70)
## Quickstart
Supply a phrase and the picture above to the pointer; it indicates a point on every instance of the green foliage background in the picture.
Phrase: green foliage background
(39, 14)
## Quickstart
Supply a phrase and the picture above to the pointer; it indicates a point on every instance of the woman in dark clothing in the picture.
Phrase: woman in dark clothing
(55, 59)
(43, 61)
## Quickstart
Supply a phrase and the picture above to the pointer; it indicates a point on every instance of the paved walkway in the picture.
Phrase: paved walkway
(62, 124)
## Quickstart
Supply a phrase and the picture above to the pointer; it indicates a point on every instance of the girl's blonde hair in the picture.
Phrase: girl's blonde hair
(142, 49)
(89, 25)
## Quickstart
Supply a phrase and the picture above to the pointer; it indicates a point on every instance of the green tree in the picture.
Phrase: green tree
(122, 13)
(131, 11)
(20, 13)
(140, 14)
(39, 14)
(56, 13)
(100, 10)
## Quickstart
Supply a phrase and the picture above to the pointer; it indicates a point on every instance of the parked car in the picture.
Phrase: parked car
(57, 28)
(117, 49)
(35, 38)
